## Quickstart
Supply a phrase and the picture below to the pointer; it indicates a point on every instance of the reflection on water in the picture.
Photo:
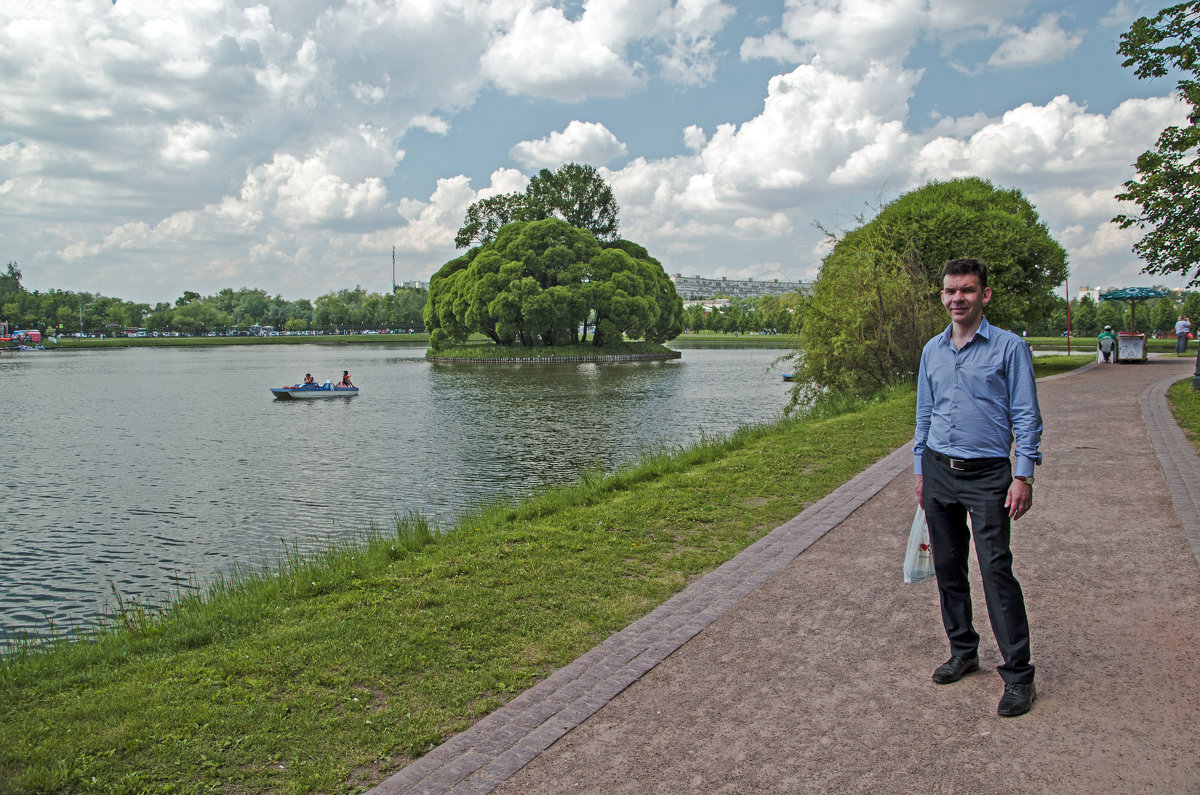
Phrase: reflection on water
(155, 469)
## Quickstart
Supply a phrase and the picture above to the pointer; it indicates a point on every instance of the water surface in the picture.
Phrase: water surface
(155, 468)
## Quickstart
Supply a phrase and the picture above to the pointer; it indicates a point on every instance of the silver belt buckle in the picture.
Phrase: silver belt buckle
(957, 464)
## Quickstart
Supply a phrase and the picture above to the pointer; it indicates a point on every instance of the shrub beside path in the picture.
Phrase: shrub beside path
(803, 664)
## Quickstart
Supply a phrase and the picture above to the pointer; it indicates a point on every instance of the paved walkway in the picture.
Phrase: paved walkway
(790, 672)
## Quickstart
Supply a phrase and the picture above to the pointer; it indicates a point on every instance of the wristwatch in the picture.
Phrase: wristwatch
(1025, 479)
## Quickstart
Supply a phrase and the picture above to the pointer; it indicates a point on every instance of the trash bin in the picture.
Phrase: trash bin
(1131, 346)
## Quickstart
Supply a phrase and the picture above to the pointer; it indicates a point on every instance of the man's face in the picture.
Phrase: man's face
(964, 298)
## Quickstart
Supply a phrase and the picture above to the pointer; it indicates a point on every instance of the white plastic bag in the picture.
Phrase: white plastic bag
(918, 557)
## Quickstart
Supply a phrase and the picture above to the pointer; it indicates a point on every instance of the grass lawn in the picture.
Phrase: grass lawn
(1185, 405)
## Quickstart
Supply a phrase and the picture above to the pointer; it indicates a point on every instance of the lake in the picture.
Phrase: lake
(154, 469)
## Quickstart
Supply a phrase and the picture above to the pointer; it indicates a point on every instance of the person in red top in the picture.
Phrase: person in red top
(345, 379)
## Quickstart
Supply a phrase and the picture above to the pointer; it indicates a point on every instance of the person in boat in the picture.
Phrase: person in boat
(345, 382)
(308, 380)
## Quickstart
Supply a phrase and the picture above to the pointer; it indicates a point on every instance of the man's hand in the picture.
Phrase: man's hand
(921, 490)
(1019, 499)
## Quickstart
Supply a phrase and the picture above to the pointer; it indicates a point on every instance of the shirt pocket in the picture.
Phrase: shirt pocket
(984, 381)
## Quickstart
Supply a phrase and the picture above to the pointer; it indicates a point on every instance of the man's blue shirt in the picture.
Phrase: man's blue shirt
(971, 402)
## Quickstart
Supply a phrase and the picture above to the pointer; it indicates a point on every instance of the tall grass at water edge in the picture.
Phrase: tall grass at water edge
(331, 670)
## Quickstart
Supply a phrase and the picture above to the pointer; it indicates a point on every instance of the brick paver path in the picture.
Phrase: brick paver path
(785, 672)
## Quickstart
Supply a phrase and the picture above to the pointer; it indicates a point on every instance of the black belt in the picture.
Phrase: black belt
(967, 464)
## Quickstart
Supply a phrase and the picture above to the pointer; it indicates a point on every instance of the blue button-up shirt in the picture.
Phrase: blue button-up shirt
(971, 402)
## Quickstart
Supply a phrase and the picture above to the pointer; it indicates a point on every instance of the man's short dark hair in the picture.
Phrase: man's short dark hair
(966, 267)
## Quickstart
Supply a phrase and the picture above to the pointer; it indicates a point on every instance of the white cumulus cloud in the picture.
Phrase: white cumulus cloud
(546, 55)
(583, 142)
(1044, 43)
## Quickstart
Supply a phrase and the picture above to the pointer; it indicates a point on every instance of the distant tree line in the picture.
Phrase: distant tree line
(67, 312)
(769, 314)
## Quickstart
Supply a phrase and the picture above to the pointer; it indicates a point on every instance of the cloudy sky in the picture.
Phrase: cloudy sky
(149, 147)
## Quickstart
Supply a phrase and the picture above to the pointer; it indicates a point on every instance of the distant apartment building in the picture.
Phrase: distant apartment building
(691, 288)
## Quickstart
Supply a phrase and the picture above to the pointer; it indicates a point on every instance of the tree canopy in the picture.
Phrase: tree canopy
(549, 283)
(1167, 186)
(574, 193)
(876, 301)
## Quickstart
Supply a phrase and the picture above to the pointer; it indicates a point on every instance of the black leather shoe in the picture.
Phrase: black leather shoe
(954, 669)
(1018, 699)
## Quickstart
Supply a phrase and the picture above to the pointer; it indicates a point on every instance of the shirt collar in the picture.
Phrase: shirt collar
(984, 330)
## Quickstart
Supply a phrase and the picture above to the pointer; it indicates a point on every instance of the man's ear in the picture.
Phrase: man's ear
(987, 294)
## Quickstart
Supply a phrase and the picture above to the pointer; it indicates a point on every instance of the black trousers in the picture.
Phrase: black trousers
(949, 495)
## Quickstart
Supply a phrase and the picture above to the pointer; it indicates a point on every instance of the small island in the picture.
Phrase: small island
(551, 282)
(490, 353)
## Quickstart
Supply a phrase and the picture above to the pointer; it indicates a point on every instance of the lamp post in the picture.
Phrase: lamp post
(1067, 295)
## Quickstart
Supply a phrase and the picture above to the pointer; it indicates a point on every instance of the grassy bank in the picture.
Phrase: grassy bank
(333, 671)
(717, 339)
(487, 349)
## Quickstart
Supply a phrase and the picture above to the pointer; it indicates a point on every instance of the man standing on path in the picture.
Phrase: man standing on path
(1183, 327)
(975, 392)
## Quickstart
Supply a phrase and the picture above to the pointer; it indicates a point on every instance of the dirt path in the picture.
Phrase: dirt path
(808, 671)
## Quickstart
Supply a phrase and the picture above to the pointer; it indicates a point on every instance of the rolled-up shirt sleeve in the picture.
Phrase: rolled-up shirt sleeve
(1025, 414)
(924, 414)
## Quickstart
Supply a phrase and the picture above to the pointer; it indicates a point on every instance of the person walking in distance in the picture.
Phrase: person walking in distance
(1183, 328)
(975, 395)
(1107, 343)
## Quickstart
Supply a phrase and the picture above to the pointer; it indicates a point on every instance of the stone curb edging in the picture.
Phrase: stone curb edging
(1176, 455)
(615, 357)
(482, 757)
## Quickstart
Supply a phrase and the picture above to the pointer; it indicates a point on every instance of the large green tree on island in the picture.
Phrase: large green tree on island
(1167, 187)
(875, 303)
(549, 283)
(575, 193)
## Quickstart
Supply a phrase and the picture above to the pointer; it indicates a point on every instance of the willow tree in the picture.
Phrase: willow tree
(549, 283)
(574, 193)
